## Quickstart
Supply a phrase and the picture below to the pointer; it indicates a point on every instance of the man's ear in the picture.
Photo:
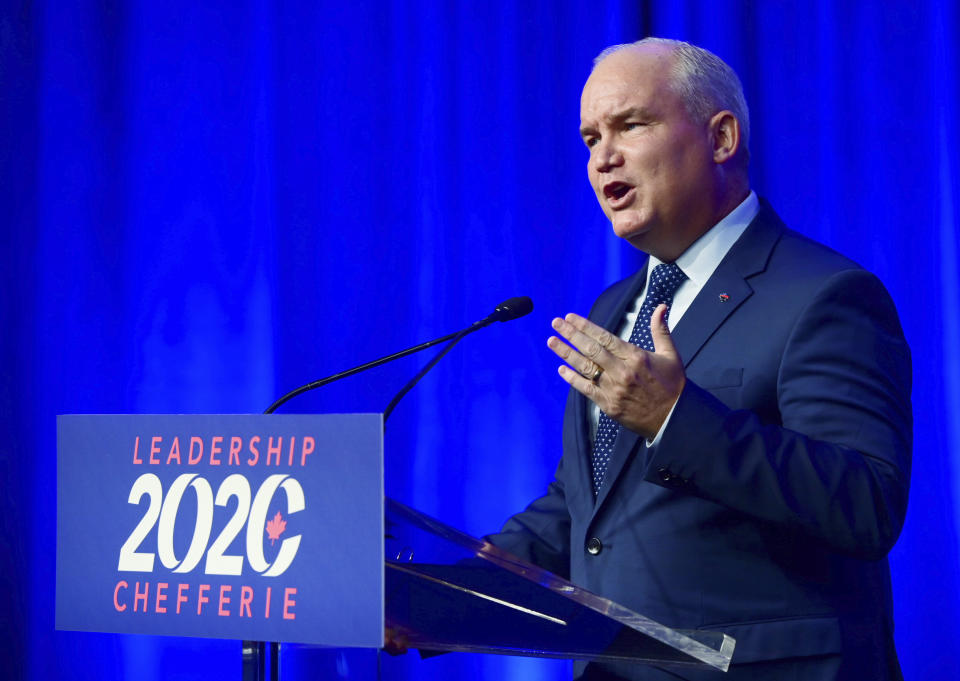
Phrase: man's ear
(725, 135)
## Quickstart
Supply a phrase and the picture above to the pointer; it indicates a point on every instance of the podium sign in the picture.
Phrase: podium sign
(254, 527)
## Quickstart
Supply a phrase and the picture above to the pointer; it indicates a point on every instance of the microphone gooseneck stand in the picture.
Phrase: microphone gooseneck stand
(255, 652)
(506, 311)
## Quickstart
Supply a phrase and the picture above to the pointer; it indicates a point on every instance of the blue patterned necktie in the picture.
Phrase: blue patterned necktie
(663, 284)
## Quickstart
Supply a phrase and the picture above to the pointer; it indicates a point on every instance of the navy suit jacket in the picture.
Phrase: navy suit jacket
(780, 483)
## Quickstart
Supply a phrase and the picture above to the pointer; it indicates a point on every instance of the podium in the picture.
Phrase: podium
(448, 591)
(147, 522)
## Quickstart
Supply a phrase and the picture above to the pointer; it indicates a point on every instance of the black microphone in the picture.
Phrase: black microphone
(513, 308)
(504, 312)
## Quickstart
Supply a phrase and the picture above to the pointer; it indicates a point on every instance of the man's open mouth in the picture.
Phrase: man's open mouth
(615, 191)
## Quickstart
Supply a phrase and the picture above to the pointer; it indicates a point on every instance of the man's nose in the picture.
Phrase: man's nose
(606, 156)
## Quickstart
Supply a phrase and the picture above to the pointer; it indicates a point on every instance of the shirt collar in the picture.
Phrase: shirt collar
(703, 256)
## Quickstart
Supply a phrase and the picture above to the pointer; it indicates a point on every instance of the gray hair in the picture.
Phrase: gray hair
(704, 82)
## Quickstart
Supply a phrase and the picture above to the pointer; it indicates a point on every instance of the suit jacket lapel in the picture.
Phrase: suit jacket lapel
(748, 256)
(728, 288)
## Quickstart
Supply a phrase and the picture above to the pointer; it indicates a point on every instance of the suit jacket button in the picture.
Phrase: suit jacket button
(594, 546)
(665, 475)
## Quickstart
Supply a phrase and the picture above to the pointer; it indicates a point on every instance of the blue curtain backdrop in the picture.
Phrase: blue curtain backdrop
(207, 204)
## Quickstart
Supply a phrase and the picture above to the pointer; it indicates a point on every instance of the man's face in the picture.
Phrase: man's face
(650, 165)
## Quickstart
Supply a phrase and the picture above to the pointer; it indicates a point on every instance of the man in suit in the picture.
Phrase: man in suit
(737, 439)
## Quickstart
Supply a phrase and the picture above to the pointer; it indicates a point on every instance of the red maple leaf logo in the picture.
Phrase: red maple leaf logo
(276, 527)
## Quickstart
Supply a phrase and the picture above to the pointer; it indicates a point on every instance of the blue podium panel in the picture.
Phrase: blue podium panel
(254, 527)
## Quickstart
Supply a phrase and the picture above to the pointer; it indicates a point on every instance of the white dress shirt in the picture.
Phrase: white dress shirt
(698, 262)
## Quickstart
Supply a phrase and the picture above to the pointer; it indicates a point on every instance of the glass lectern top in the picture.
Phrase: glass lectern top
(448, 591)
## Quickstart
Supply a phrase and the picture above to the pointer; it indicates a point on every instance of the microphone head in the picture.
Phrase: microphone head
(512, 309)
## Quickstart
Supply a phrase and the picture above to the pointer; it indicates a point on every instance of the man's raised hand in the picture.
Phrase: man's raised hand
(634, 387)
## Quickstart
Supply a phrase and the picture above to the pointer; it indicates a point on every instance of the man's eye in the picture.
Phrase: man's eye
(591, 141)
(632, 125)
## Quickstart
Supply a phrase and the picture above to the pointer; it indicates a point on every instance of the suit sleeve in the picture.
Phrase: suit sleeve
(837, 467)
(540, 534)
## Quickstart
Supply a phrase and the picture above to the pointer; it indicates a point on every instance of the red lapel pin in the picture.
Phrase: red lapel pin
(724, 297)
